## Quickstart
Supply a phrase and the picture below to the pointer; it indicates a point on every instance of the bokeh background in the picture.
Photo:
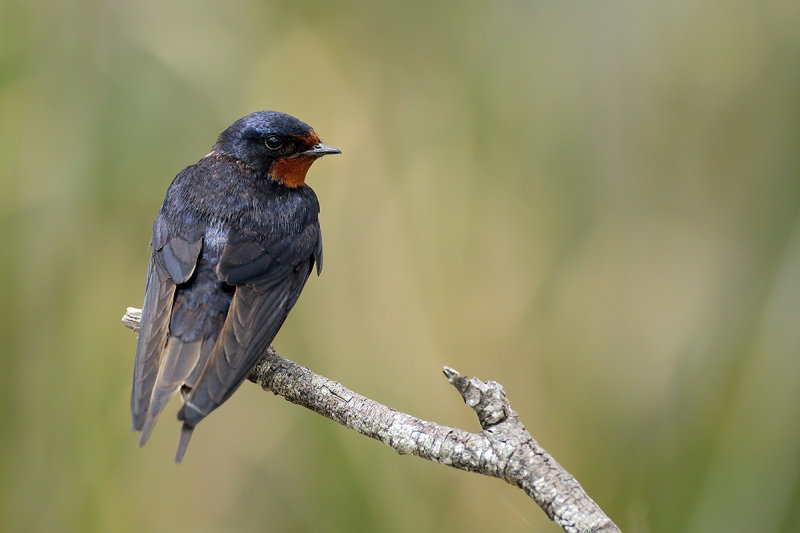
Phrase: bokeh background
(596, 204)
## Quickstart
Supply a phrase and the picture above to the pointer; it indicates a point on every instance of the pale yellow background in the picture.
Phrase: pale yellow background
(594, 203)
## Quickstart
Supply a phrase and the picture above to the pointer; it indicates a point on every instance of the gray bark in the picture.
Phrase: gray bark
(503, 449)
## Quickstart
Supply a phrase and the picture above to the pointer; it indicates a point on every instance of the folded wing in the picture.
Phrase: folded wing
(266, 290)
(161, 360)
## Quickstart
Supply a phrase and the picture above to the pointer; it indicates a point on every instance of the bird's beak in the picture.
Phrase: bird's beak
(318, 150)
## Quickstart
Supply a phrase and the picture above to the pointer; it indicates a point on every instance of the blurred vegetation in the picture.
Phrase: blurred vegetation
(595, 203)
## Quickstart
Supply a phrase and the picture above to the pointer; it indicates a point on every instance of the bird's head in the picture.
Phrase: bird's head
(274, 144)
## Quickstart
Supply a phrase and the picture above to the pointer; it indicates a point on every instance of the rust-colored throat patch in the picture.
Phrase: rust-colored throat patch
(292, 171)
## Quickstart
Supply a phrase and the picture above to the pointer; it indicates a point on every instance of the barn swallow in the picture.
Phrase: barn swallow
(233, 245)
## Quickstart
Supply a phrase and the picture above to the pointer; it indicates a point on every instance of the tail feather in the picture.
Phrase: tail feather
(183, 442)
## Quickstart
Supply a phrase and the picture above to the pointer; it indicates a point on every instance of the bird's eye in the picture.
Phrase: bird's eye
(274, 142)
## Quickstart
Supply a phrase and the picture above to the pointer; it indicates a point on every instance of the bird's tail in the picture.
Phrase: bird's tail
(183, 442)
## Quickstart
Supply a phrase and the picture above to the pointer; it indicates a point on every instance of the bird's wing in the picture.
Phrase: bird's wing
(268, 277)
(172, 261)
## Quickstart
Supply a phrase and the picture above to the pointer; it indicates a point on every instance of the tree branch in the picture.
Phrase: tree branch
(504, 449)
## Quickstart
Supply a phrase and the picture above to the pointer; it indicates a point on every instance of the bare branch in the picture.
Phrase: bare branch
(504, 449)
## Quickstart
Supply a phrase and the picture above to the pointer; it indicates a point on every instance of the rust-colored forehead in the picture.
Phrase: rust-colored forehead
(309, 140)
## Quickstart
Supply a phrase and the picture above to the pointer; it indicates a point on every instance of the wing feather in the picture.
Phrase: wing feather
(178, 360)
(244, 261)
(156, 311)
(172, 262)
(180, 257)
(254, 318)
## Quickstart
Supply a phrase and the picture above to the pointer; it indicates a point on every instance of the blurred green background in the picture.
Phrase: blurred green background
(596, 204)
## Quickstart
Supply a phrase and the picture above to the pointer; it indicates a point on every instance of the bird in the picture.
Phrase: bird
(233, 244)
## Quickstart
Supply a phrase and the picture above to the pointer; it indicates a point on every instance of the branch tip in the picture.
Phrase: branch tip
(450, 373)
(132, 318)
